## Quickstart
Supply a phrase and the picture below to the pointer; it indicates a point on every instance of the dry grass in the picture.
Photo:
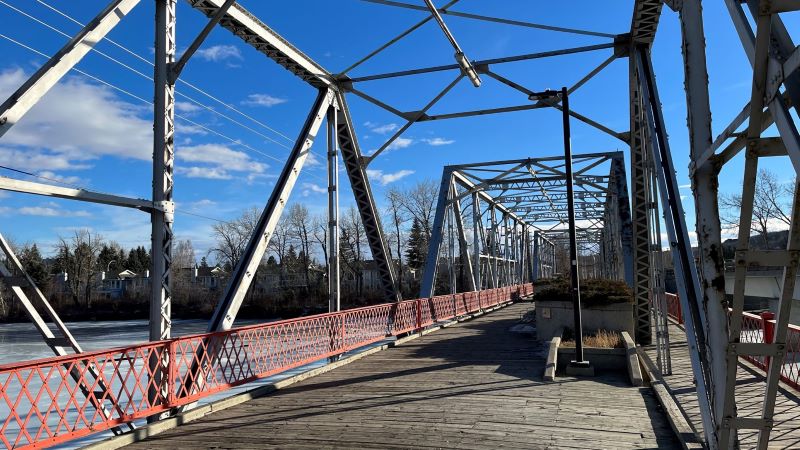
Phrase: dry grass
(601, 339)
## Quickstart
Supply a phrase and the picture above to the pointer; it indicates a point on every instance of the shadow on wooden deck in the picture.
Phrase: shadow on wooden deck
(472, 385)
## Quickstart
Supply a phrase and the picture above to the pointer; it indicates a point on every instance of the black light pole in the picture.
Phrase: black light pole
(580, 366)
(573, 244)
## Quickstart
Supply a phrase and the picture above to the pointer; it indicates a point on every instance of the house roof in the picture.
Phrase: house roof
(127, 274)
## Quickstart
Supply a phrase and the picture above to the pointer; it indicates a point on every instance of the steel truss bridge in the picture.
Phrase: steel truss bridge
(111, 389)
(502, 221)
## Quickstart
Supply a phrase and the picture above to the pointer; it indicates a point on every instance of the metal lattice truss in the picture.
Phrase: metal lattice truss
(502, 221)
(775, 59)
(506, 231)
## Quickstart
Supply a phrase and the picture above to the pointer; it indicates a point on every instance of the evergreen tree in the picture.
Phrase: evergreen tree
(34, 265)
(108, 259)
(138, 260)
(203, 263)
(290, 260)
(416, 250)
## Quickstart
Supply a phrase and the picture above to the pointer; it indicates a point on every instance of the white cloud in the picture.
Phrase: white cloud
(437, 141)
(219, 53)
(63, 179)
(381, 129)
(386, 178)
(183, 127)
(34, 159)
(685, 186)
(204, 203)
(187, 107)
(217, 162)
(310, 188)
(50, 211)
(76, 122)
(263, 100)
(210, 173)
(400, 143)
(312, 160)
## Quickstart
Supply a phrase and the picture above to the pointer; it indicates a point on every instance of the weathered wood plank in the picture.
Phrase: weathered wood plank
(749, 396)
(470, 386)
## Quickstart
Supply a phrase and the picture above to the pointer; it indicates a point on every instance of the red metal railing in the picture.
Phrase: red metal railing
(760, 329)
(674, 307)
(45, 406)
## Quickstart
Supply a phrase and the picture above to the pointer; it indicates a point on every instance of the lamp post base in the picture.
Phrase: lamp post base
(580, 369)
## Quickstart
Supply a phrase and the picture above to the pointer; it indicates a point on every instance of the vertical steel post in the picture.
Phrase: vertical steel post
(451, 249)
(713, 321)
(476, 241)
(334, 299)
(493, 243)
(685, 266)
(640, 200)
(573, 244)
(463, 248)
(163, 165)
(536, 256)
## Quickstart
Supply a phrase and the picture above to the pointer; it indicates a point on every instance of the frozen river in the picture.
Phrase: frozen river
(21, 342)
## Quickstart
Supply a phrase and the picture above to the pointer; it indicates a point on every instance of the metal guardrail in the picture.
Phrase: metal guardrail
(759, 329)
(46, 407)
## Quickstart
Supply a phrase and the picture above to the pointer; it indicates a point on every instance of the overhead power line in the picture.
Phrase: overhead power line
(148, 102)
(148, 77)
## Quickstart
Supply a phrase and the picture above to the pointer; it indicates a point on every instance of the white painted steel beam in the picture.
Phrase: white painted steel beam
(252, 31)
(29, 187)
(40, 83)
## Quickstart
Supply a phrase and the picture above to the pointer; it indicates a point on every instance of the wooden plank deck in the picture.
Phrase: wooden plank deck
(749, 397)
(472, 385)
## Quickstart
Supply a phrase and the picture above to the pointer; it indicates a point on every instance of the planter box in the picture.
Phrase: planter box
(601, 358)
(554, 315)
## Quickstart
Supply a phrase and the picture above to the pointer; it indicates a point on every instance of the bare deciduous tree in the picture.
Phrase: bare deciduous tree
(77, 257)
(319, 232)
(298, 221)
(280, 240)
(232, 237)
(398, 217)
(420, 201)
(771, 206)
(183, 257)
(352, 237)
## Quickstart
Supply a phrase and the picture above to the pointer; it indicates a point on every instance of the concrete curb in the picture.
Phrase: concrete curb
(677, 419)
(632, 360)
(155, 428)
(552, 359)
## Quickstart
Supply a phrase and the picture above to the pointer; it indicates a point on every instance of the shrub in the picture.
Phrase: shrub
(595, 291)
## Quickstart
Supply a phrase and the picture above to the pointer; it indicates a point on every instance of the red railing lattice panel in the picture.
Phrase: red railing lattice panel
(50, 401)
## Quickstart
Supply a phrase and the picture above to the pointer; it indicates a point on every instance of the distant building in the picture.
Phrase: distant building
(127, 283)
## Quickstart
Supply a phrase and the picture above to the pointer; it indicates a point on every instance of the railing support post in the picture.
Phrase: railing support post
(768, 330)
(344, 332)
(419, 314)
(172, 376)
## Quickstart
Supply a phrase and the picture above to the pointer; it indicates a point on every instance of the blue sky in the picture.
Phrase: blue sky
(89, 134)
